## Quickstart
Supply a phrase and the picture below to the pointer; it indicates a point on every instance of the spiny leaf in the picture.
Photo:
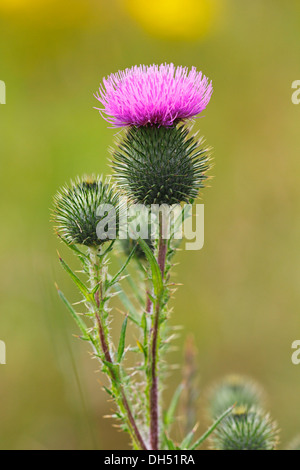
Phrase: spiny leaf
(108, 250)
(107, 390)
(117, 276)
(83, 289)
(156, 274)
(114, 369)
(77, 318)
(122, 340)
(188, 440)
(96, 288)
(170, 414)
(74, 248)
(136, 289)
(169, 443)
(133, 314)
(145, 330)
(211, 429)
(141, 348)
(144, 323)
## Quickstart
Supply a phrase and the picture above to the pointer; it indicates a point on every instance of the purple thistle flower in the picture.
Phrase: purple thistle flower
(153, 95)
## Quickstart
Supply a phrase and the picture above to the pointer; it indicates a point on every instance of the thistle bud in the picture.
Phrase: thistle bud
(234, 389)
(77, 211)
(246, 429)
(160, 165)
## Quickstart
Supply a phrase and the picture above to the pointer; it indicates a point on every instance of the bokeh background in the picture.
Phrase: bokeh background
(241, 295)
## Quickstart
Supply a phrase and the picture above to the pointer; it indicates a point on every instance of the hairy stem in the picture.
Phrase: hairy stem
(154, 399)
(107, 355)
(97, 278)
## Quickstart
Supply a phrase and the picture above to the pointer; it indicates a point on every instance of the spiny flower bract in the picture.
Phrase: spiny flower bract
(153, 95)
(160, 165)
(75, 210)
(246, 429)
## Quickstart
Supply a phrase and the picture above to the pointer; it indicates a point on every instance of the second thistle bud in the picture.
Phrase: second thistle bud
(82, 206)
(246, 429)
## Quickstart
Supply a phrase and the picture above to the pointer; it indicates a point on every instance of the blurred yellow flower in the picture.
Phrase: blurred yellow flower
(175, 19)
(51, 12)
(17, 5)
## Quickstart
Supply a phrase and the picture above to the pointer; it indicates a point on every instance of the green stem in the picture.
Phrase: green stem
(97, 276)
(154, 394)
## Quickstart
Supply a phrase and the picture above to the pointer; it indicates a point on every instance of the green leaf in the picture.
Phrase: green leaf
(122, 341)
(142, 348)
(145, 330)
(144, 323)
(136, 289)
(170, 414)
(83, 289)
(73, 248)
(169, 443)
(117, 276)
(211, 429)
(107, 390)
(95, 290)
(156, 274)
(187, 440)
(133, 314)
(77, 318)
(108, 250)
(114, 369)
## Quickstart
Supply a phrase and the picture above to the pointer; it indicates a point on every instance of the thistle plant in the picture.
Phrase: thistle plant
(158, 164)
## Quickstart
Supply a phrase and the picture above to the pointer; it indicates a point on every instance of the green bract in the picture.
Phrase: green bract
(160, 165)
(75, 211)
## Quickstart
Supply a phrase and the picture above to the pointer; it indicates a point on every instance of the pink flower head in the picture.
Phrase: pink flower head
(153, 95)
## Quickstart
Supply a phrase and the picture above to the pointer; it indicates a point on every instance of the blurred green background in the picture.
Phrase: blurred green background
(241, 292)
